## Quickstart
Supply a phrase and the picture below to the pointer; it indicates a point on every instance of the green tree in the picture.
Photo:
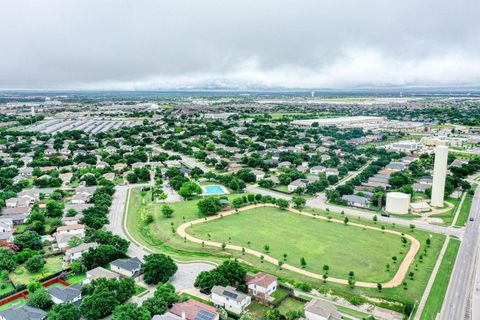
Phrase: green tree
(40, 299)
(282, 203)
(167, 211)
(64, 311)
(209, 206)
(130, 311)
(299, 202)
(303, 262)
(7, 259)
(35, 264)
(163, 298)
(28, 239)
(158, 268)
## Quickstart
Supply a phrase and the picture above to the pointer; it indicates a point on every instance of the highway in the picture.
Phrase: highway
(458, 300)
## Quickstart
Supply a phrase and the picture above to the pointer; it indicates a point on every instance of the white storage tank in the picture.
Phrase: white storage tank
(397, 203)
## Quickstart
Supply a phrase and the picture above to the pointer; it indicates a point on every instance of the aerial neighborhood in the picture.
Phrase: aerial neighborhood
(232, 207)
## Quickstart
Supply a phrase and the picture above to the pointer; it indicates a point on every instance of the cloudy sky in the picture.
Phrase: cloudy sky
(163, 44)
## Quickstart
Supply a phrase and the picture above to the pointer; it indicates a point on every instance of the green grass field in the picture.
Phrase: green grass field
(342, 248)
(439, 288)
(158, 237)
(465, 210)
(21, 276)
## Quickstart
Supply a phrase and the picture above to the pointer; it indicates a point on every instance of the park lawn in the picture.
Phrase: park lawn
(21, 276)
(439, 288)
(187, 251)
(160, 235)
(5, 287)
(448, 216)
(290, 304)
(342, 248)
(465, 210)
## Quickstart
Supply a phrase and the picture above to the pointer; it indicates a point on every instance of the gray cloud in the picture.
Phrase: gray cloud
(240, 43)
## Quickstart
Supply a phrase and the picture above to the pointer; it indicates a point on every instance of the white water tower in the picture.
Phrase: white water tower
(439, 176)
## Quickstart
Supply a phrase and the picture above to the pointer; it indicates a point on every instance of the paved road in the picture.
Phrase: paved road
(394, 282)
(319, 202)
(457, 303)
(185, 276)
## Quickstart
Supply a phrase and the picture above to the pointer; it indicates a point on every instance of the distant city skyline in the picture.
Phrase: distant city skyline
(150, 45)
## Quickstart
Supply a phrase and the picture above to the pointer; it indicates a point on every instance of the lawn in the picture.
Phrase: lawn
(160, 235)
(159, 238)
(5, 287)
(342, 248)
(465, 210)
(439, 288)
(290, 304)
(21, 276)
(76, 278)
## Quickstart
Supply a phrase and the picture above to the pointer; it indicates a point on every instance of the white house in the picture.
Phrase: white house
(70, 294)
(98, 273)
(74, 229)
(76, 252)
(230, 299)
(299, 183)
(321, 310)
(261, 285)
(317, 169)
(259, 174)
(126, 267)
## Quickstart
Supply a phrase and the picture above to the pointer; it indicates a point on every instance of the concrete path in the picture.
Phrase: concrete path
(395, 281)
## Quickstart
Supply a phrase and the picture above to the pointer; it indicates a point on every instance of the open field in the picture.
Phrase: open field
(342, 248)
(163, 240)
(439, 288)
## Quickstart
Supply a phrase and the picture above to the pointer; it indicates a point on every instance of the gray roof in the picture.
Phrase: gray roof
(355, 199)
(131, 264)
(229, 292)
(65, 294)
(23, 313)
(324, 309)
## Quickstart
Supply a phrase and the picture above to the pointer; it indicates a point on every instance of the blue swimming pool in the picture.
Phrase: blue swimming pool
(213, 190)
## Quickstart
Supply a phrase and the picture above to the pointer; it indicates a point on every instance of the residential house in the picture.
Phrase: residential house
(76, 252)
(318, 309)
(356, 201)
(24, 312)
(396, 166)
(317, 169)
(190, 310)
(259, 175)
(60, 294)
(261, 285)
(420, 187)
(299, 183)
(74, 229)
(98, 273)
(129, 267)
(230, 299)
(332, 172)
